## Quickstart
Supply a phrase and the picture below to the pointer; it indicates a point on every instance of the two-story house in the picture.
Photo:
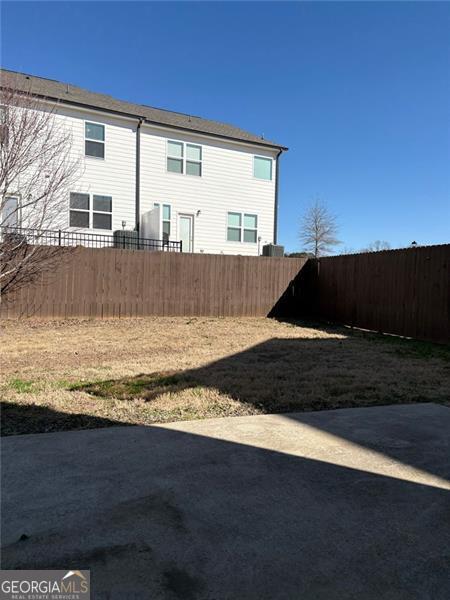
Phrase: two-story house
(165, 174)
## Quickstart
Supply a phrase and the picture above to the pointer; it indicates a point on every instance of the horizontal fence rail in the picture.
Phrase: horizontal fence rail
(49, 237)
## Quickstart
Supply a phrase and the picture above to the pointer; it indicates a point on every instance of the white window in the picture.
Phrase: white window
(166, 221)
(262, 168)
(184, 158)
(10, 212)
(242, 227)
(79, 210)
(90, 212)
(101, 212)
(250, 228)
(193, 160)
(175, 157)
(94, 143)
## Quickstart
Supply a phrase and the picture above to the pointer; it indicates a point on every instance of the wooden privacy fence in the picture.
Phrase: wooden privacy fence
(404, 292)
(125, 283)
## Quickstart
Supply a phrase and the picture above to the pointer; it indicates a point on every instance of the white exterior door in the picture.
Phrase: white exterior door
(186, 229)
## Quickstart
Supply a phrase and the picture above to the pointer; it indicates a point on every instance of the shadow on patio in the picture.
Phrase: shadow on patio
(176, 512)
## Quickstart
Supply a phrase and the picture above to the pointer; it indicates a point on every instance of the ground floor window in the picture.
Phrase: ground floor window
(90, 211)
(166, 220)
(10, 211)
(242, 227)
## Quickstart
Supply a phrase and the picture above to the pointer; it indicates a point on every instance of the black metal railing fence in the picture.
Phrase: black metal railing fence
(125, 240)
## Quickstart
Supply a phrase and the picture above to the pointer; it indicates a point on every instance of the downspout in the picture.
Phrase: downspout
(275, 219)
(138, 175)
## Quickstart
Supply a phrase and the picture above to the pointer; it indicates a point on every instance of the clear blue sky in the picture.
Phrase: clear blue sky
(359, 92)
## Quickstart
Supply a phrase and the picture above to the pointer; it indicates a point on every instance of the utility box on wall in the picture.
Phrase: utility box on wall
(273, 250)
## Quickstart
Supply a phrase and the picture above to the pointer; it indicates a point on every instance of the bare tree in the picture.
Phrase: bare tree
(318, 230)
(376, 246)
(37, 170)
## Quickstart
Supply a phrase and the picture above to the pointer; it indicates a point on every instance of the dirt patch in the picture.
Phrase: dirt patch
(79, 374)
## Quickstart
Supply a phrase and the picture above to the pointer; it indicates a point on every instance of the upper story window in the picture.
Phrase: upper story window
(242, 227)
(94, 143)
(175, 157)
(262, 168)
(90, 212)
(184, 158)
(193, 160)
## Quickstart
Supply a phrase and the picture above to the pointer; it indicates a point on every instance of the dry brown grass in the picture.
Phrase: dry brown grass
(78, 374)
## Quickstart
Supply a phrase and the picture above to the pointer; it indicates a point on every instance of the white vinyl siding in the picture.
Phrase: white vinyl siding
(114, 176)
(226, 185)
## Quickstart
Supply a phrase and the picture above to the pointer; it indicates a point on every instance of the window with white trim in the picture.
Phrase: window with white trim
(184, 158)
(10, 211)
(94, 139)
(242, 227)
(101, 212)
(79, 210)
(90, 212)
(262, 168)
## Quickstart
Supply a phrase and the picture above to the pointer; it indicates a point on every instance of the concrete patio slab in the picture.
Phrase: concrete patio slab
(341, 504)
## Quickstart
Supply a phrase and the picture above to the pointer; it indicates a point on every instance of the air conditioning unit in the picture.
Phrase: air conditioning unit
(273, 250)
(127, 240)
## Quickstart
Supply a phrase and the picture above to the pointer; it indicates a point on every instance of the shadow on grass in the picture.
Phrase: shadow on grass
(17, 419)
(287, 375)
(276, 376)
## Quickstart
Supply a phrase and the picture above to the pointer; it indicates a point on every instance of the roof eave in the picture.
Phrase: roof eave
(262, 143)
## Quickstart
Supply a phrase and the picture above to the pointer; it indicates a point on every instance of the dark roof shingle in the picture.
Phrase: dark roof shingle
(72, 94)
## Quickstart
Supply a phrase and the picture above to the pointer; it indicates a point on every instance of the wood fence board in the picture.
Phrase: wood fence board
(404, 292)
(103, 283)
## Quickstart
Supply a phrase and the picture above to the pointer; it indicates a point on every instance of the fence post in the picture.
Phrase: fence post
(181, 245)
(59, 237)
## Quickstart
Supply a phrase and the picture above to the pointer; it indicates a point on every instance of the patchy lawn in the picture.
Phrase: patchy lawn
(79, 374)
